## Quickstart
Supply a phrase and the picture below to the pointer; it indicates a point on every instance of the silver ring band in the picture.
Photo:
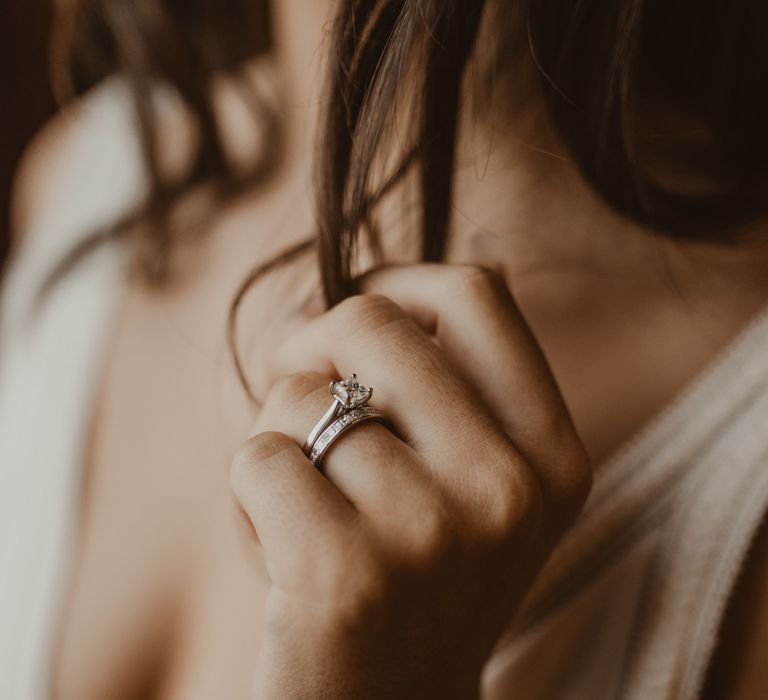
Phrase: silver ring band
(340, 426)
(328, 417)
(347, 394)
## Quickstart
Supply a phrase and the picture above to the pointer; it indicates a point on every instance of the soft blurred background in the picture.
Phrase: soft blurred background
(27, 97)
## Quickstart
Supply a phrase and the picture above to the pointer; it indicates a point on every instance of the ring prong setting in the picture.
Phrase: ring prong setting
(350, 393)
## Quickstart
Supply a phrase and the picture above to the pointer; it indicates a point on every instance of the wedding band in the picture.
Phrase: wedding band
(347, 395)
(328, 417)
(334, 431)
(349, 407)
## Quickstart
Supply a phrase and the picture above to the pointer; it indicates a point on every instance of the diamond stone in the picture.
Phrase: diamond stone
(350, 393)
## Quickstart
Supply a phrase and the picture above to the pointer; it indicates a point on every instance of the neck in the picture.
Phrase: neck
(299, 29)
(523, 207)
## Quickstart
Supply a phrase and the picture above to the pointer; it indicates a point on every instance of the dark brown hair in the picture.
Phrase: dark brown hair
(611, 72)
(185, 45)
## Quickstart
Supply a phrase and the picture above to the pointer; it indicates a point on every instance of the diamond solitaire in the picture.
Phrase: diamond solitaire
(350, 393)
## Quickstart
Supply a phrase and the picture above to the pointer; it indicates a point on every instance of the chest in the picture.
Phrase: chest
(165, 598)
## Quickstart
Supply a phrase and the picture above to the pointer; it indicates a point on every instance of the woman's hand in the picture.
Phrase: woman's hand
(395, 570)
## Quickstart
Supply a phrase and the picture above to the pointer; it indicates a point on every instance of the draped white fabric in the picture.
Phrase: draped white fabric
(49, 365)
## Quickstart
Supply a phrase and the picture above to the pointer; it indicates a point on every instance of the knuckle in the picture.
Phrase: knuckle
(575, 484)
(370, 310)
(255, 455)
(554, 422)
(571, 483)
(479, 281)
(432, 535)
(515, 503)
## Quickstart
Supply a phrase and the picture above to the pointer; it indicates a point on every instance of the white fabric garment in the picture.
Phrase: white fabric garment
(49, 365)
(627, 607)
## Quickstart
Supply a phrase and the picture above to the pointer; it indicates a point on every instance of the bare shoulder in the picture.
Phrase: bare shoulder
(84, 167)
(739, 670)
(35, 173)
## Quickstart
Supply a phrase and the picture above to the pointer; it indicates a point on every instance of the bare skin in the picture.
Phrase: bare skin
(163, 557)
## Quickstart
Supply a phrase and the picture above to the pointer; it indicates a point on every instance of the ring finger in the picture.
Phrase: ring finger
(373, 468)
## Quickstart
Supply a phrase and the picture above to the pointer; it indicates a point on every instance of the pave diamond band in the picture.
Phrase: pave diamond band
(334, 431)
(349, 407)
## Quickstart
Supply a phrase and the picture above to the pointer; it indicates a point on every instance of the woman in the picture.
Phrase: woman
(452, 546)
